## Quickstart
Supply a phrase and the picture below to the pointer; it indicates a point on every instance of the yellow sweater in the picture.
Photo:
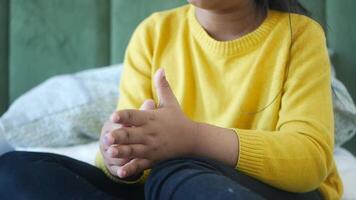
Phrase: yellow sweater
(285, 124)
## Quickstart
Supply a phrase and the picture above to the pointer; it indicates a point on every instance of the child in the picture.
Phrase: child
(244, 112)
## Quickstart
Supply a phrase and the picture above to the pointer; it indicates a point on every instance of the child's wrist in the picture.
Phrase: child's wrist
(194, 138)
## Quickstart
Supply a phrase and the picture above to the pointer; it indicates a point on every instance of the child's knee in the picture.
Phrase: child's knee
(9, 158)
(11, 169)
(16, 158)
(170, 167)
(16, 165)
(166, 176)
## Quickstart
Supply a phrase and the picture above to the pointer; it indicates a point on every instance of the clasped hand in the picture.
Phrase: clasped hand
(135, 140)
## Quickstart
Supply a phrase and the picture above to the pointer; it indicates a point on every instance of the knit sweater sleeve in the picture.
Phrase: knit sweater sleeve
(135, 84)
(298, 155)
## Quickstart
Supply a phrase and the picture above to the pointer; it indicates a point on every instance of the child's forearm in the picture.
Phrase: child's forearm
(217, 143)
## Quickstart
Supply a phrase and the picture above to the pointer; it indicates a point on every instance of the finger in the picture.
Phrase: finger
(111, 157)
(108, 163)
(117, 161)
(102, 150)
(134, 167)
(132, 151)
(111, 125)
(114, 169)
(132, 117)
(148, 104)
(107, 140)
(164, 92)
(133, 135)
(104, 143)
(112, 152)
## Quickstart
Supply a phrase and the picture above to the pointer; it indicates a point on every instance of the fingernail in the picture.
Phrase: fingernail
(108, 140)
(114, 118)
(163, 74)
(113, 152)
(117, 118)
(122, 173)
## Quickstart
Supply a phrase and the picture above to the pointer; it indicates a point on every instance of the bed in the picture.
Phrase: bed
(57, 39)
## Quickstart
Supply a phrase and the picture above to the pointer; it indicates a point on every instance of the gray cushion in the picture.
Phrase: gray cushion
(64, 110)
(345, 112)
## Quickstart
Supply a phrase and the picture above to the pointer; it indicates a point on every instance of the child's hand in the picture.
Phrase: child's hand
(107, 142)
(108, 154)
(153, 135)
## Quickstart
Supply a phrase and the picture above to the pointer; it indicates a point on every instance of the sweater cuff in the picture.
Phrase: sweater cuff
(99, 162)
(251, 152)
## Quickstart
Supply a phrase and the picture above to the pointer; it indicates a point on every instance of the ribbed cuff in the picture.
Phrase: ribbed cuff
(251, 152)
(99, 162)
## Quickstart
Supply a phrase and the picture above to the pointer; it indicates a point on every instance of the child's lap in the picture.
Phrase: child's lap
(44, 176)
(51, 176)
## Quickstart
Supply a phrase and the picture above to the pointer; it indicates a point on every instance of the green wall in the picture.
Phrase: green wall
(342, 39)
(317, 8)
(4, 30)
(50, 37)
(341, 25)
(123, 23)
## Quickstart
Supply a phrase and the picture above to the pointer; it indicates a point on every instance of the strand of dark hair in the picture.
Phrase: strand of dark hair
(292, 6)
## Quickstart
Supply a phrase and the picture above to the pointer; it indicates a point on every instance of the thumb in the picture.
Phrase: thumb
(148, 104)
(164, 91)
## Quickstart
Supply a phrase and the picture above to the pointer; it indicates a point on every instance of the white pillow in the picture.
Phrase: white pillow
(65, 110)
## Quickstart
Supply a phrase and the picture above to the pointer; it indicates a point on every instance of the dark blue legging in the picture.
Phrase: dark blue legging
(39, 176)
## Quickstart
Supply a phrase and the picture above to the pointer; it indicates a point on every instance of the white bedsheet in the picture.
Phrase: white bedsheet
(85, 153)
(345, 162)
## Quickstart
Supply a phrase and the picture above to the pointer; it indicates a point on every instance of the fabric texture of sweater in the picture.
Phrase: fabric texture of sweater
(270, 86)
